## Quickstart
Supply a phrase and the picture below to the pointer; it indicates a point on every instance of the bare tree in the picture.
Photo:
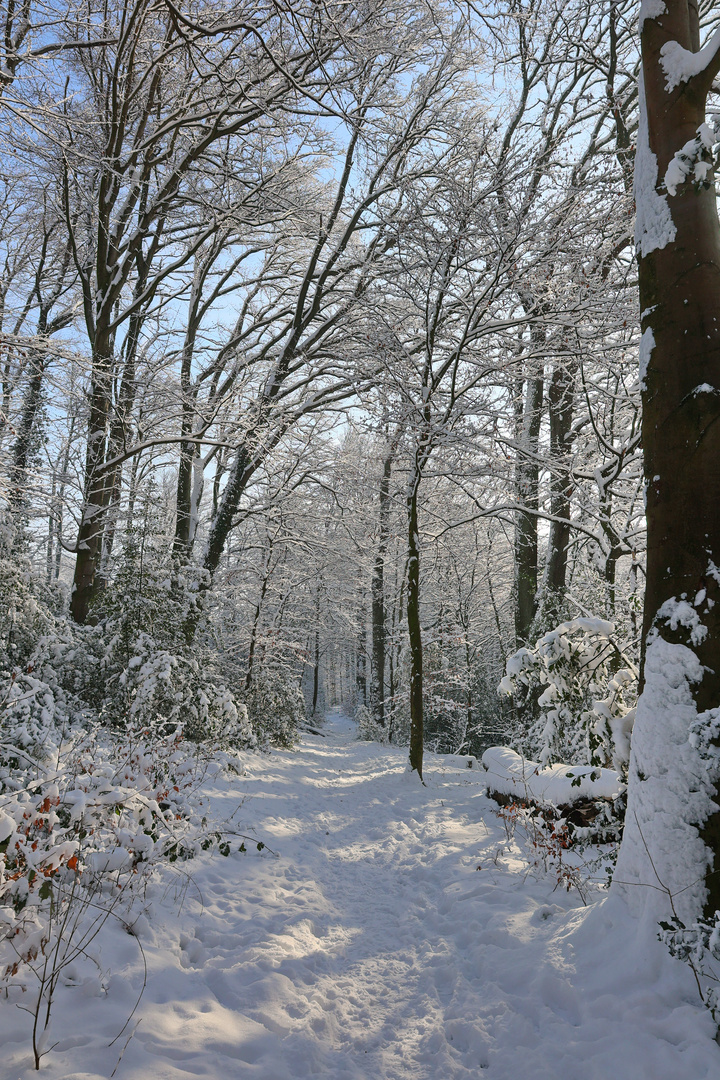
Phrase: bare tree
(137, 141)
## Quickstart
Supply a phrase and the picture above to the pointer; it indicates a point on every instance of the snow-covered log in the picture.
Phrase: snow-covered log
(510, 775)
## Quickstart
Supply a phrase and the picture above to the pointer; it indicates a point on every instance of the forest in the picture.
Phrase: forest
(359, 378)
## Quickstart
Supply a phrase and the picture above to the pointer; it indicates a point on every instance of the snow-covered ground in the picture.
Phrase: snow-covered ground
(369, 946)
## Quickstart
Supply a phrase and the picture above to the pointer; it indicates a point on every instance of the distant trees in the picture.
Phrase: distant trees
(325, 314)
(176, 115)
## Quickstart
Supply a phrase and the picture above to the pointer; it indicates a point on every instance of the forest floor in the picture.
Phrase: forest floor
(393, 932)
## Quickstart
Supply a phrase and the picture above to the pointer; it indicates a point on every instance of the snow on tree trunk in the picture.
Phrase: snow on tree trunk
(672, 840)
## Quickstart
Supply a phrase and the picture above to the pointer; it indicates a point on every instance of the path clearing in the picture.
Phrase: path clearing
(372, 948)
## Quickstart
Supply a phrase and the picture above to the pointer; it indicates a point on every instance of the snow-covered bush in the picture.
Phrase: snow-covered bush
(549, 844)
(33, 704)
(159, 689)
(446, 723)
(275, 706)
(78, 840)
(368, 727)
(575, 703)
(26, 611)
(30, 720)
(699, 947)
(134, 669)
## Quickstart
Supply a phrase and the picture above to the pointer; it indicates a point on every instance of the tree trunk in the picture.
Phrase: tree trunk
(672, 839)
(361, 655)
(316, 658)
(97, 485)
(119, 434)
(561, 394)
(526, 485)
(58, 504)
(396, 616)
(414, 631)
(258, 612)
(183, 505)
(377, 674)
(52, 528)
(25, 429)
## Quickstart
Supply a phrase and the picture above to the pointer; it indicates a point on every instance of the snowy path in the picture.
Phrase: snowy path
(371, 948)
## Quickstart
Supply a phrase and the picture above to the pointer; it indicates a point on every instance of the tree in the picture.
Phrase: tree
(320, 346)
(566, 67)
(377, 587)
(159, 112)
(671, 850)
(253, 229)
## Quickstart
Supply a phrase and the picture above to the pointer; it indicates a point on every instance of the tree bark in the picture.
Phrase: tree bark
(377, 674)
(119, 437)
(561, 396)
(182, 544)
(678, 239)
(414, 629)
(316, 657)
(680, 301)
(98, 485)
(526, 485)
(258, 611)
(361, 689)
(25, 430)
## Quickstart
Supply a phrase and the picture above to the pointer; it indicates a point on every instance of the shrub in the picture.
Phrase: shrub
(275, 707)
(574, 702)
(368, 727)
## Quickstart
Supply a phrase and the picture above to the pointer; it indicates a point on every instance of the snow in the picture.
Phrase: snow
(694, 158)
(395, 935)
(654, 226)
(658, 863)
(647, 344)
(678, 170)
(510, 774)
(650, 9)
(680, 65)
(681, 613)
(707, 136)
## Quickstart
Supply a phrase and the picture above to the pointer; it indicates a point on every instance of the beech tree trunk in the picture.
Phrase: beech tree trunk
(120, 433)
(680, 302)
(183, 541)
(672, 776)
